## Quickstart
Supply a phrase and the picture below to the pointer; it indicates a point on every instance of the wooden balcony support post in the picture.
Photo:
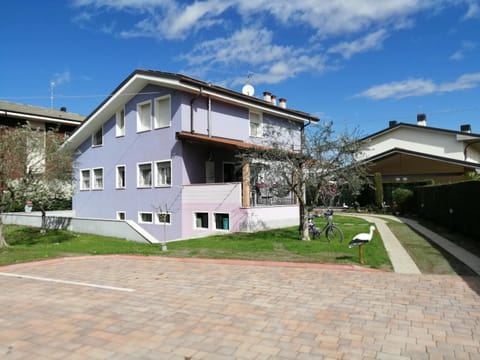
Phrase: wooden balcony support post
(246, 185)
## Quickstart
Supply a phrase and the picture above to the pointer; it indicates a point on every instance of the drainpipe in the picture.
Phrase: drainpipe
(209, 118)
(192, 130)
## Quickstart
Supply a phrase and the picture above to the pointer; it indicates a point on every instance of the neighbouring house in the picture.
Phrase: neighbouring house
(14, 115)
(417, 154)
(161, 152)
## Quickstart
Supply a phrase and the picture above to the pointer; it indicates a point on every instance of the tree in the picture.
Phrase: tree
(33, 167)
(322, 161)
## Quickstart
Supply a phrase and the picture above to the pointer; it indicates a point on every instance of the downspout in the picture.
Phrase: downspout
(192, 130)
(209, 119)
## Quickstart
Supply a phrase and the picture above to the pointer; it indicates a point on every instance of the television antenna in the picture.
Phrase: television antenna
(248, 89)
(52, 85)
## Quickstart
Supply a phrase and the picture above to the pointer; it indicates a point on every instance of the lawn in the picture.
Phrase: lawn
(27, 244)
(429, 258)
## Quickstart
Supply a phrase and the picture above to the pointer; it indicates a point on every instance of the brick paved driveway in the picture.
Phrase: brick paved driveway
(155, 308)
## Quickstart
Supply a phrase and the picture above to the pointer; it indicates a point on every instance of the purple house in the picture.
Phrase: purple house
(161, 153)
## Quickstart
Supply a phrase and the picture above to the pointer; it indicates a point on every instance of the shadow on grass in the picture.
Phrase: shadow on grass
(21, 235)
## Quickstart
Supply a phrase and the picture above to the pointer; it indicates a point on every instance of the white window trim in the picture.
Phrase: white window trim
(139, 122)
(93, 138)
(119, 132)
(155, 184)
(118, 215)
(155, 111)
(152, 173)
(82, 188)
(260, 124)
(157, 221)
(194, 214)
(215, 223)
(93, 179)
(140, 221)
(117, 177)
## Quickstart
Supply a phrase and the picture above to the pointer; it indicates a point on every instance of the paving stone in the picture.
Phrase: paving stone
(183, 308)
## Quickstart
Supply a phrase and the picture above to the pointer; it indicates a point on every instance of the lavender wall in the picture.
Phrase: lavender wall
(188, 161)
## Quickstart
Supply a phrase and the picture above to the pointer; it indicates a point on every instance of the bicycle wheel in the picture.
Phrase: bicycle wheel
(334, 233)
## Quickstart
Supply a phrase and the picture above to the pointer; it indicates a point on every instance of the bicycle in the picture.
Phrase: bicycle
(332, 231)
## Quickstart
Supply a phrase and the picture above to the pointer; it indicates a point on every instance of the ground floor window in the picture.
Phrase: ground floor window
(222, 221)
(201, 220)
(145, 217)
(163, 218)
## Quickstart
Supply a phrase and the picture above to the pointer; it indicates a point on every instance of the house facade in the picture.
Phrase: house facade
(161, 152)
(14, 115)
(417, 154)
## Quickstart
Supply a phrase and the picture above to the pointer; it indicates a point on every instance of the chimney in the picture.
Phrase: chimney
(267, 96)
(283, 103)
(392, 123)
(274, 100)
(422, 120)
(466, 128)
(63, 108)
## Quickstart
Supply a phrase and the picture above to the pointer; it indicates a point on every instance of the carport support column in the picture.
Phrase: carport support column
(246, 185)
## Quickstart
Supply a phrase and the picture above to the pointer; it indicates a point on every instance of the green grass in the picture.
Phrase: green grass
(27, 244)
(429, 258)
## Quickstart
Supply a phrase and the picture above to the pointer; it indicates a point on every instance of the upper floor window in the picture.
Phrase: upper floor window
(85, 179)
(163, 176)
(98, 179)
(255, 124)
(144, 116)
(97, 138)
(144, 175)
(120, 123)
(120, 178)
(162, 116)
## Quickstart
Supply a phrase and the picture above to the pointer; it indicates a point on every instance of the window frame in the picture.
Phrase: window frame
(95, 138)
(223, 214)
(119, 215)
(196, 218)
(168, 213)
(82, 180)
(259, 123)
(151, 175)
(120, 123)
(94, 179)
(141, 221)
(117, 177)
(140, 127)
(156, 112)
(156, 183)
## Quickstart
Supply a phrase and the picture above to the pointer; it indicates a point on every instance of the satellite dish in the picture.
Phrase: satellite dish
(248, 90)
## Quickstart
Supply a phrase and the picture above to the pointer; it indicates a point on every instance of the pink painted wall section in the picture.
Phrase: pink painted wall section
(217, 202)
(271, 217)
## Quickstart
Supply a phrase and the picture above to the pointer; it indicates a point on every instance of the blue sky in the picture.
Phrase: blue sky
(358, 63)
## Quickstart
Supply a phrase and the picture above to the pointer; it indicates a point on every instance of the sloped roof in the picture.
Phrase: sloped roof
(140, 78)
(39, 113)
(394, 151)
(467, 135)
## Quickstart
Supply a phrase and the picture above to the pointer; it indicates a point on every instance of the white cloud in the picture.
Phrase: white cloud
(368, 42)
(255, 47)
(465, 48)
(61, 78)
(419, 87)
(240, 41)
(473, 10)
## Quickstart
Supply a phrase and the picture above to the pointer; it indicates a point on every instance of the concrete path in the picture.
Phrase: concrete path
(119, 307)
(469, 259)
(401, 261)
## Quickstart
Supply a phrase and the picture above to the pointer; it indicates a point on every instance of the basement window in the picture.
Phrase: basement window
(201, 220)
